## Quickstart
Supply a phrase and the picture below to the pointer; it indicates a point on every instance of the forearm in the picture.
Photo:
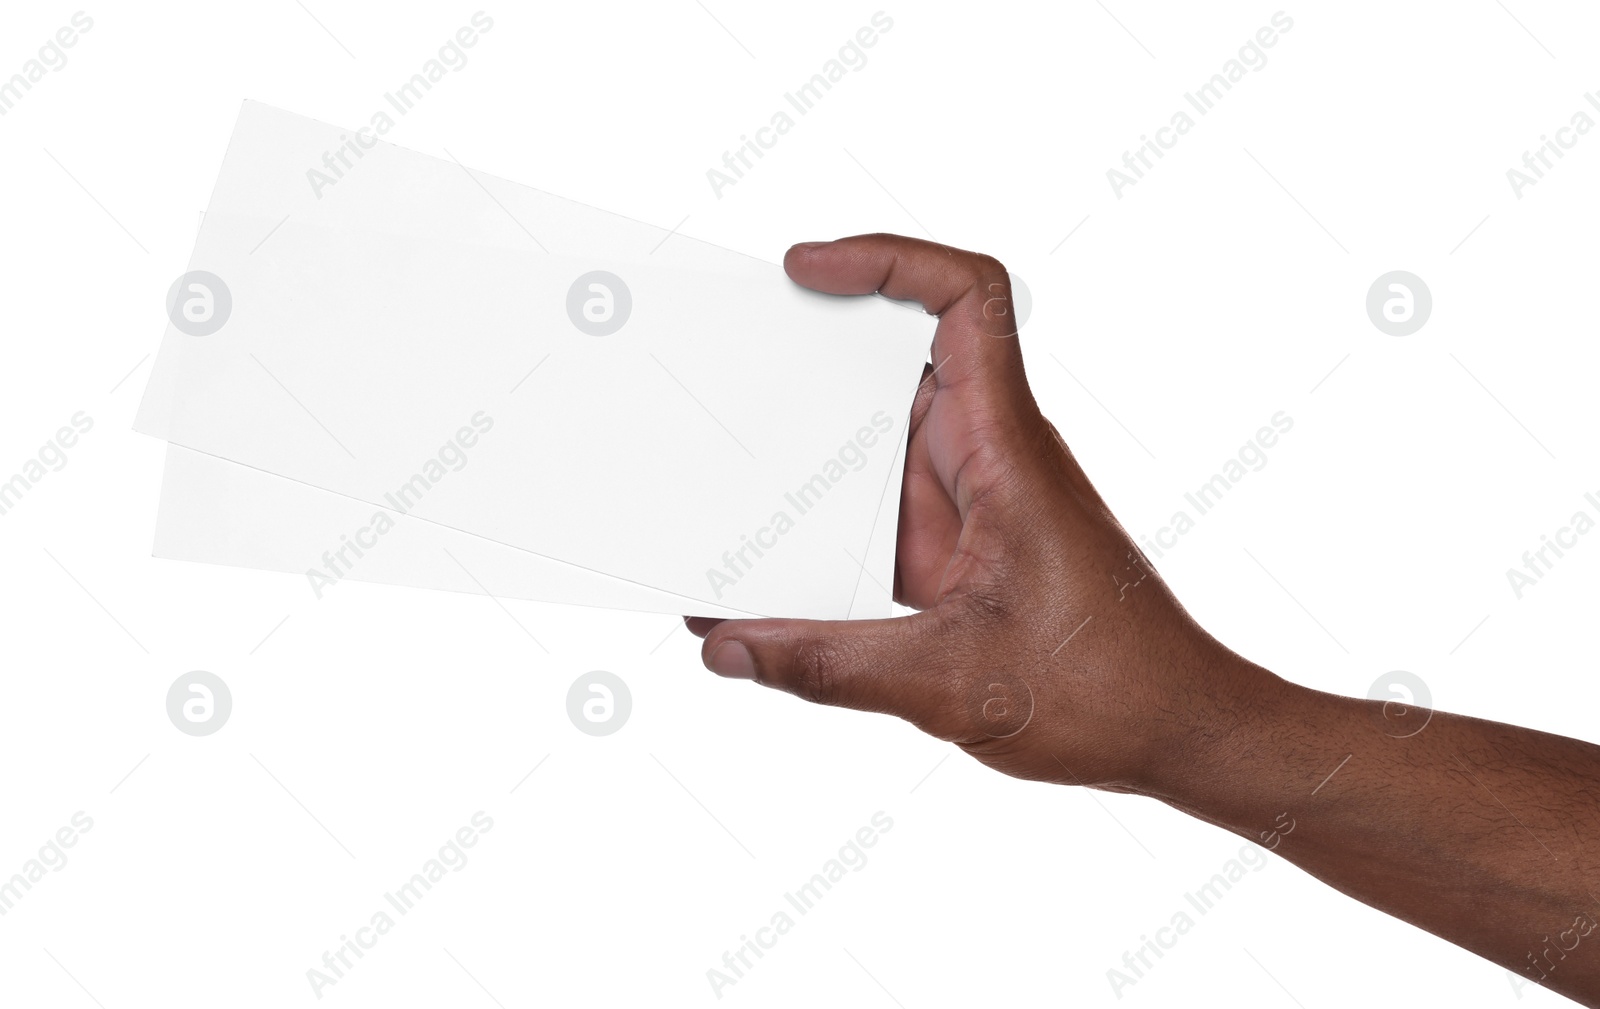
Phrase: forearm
(1481, 833)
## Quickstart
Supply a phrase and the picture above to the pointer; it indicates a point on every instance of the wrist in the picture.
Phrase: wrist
(1222, 736)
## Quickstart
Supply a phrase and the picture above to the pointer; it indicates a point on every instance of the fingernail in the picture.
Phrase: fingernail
(808, 246)
(731, 659)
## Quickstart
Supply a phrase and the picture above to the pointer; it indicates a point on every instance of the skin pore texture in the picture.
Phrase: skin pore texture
(1045, 646)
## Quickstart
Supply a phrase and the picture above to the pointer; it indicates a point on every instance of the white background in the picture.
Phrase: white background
(368, 726)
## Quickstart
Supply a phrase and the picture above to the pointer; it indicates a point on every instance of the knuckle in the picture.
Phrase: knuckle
(987, 279)
(985, 265)
(815, 671)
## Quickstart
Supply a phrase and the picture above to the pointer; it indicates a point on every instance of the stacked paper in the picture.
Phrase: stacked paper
(384, 366)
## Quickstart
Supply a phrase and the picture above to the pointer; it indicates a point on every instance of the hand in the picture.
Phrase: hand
(1045, 645)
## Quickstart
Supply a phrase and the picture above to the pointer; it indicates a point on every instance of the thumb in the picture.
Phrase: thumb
(890, 666)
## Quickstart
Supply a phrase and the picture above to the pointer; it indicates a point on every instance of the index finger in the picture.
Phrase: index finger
(968, 291)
